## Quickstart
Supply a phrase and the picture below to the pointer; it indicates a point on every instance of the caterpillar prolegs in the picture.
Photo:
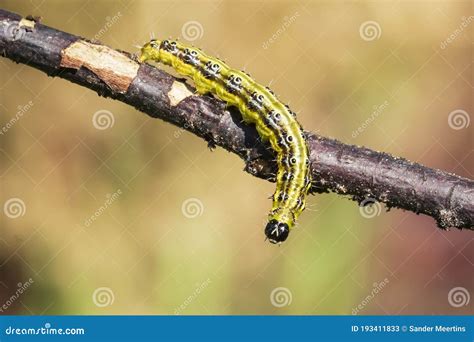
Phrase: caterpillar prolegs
(258, 105)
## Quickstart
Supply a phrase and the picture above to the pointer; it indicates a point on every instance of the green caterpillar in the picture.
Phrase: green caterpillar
(274, 121)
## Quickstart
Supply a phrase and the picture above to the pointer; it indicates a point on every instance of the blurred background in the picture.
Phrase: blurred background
(107, 211)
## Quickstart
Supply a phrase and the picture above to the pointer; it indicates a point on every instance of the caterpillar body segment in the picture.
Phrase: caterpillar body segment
(258, 105)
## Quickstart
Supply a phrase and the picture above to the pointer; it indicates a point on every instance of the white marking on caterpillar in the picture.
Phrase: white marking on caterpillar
(274, 122)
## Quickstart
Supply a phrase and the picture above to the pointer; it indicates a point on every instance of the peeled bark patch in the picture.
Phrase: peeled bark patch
(178, 93)
(111, 66)
(27, 23)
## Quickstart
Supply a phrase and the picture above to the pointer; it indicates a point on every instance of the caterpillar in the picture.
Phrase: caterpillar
(258, 105)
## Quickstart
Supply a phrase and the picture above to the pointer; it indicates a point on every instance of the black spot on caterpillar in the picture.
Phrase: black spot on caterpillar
(274, 122)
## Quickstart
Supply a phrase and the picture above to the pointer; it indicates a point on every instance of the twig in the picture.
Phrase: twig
(364, 175)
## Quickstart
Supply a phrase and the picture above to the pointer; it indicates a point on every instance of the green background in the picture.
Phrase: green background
(151, 257)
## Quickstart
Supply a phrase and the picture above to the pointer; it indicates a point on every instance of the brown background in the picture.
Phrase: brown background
(155, 260)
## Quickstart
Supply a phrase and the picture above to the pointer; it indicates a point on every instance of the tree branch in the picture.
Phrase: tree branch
(358, 172)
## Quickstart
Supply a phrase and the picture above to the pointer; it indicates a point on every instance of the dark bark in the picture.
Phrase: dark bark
(362, 174)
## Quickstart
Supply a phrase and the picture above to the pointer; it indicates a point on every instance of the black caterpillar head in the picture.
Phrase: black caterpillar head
(276, 232)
